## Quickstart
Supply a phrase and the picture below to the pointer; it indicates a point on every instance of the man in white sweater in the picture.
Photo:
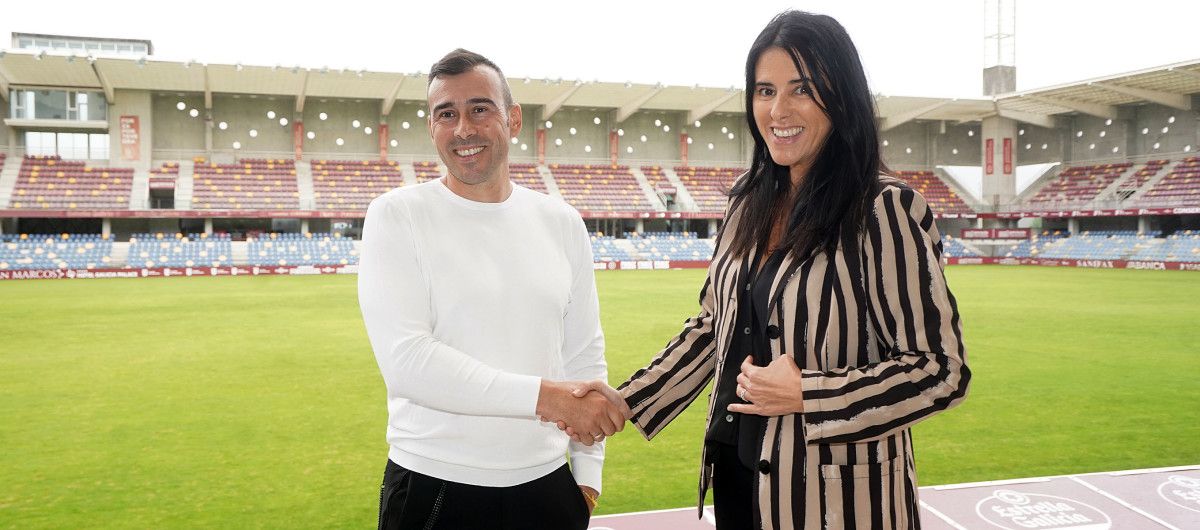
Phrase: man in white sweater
(480, 304)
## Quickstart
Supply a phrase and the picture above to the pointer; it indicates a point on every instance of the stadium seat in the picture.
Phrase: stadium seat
(51, 183)
(55, 251)
(352, 184)
(1179, 188)
(939, 196)
(599, 188)
(249, 184)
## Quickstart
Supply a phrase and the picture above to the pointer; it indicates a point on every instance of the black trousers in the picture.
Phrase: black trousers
(411, 501)
(733, 487)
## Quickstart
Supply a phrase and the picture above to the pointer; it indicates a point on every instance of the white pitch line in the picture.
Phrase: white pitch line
(942, 516)
(990, 483)
(1122, 502)
(1148, 470)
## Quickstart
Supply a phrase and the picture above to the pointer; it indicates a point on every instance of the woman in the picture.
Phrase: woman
(825, 318)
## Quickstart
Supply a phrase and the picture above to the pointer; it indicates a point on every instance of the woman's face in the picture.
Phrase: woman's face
(787, 111)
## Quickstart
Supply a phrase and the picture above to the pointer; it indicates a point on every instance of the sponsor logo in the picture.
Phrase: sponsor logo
(599, 265)
(1181, 491)
(970, 261)
(1179, 211)
(662, 264)
(348, 269)
(1147, 265)
(645, 265)
(1009, 261)
(1189, 266)
(279, 270)
(305, 270)
(1013, 510)
(217, 271)
(1143, 211)
(256, 271)
(1018, 234)
(1094, 263)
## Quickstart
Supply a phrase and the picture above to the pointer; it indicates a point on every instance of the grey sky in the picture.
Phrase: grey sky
(915, 48)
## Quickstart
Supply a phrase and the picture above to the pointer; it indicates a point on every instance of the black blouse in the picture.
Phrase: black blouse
(730, 428)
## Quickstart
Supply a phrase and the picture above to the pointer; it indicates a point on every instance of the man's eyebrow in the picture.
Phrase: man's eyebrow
(482, 100)
(442, 106)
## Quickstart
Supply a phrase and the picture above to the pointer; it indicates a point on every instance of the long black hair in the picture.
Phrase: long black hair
(839, 188)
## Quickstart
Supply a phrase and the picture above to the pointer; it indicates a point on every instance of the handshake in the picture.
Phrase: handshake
(587, 411)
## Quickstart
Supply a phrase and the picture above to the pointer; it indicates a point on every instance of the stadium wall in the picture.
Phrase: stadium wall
(709, 132)
(1029, 145)
(1182, 133)
(587, 132)
(411, 141)
(177, 129)
(659, 145)
(244, 113)
(930, 146)
(5, 134)
(135, 103)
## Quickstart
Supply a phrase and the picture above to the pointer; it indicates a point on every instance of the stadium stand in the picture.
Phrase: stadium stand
(179, 250)
(301, 249)
(426, 171)
(605, 248)
(1142, 176)
(677, 246)
(54, 183)
(50, 251)
(708, 185)
(1099, 244)
(938, 195)
(1179, 188)
(953, 248)
(527, 175)
(1033, 247)
(249, 184)
(605, 188)
(1076, 185)
(657, 179)
(351, 184)
(1181, 246)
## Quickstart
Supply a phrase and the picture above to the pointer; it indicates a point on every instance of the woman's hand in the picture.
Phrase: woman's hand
(772, 390)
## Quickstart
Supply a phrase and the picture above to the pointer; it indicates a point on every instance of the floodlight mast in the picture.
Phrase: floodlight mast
(999, 46)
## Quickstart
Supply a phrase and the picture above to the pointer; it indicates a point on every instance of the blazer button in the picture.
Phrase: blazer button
(773, 332)
(764, 467)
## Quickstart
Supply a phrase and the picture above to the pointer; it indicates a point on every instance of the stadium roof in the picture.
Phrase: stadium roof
(1169, 85)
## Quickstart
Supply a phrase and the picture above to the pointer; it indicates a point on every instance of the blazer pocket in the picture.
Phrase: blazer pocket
(868, 495)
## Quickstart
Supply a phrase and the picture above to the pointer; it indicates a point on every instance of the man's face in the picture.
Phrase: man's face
(470, 124)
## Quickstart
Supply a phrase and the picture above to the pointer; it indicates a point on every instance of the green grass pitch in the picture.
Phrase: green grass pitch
(255, 402)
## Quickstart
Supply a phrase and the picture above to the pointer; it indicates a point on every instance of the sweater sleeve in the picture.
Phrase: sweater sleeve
(394, 296)
(583, 344)
(924, 370)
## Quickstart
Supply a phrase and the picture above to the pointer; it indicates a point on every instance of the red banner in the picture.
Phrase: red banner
(683, 148)
(131, 138)
(298, 138)
(384, 134)
(988, 157)
(167, 272)
(1008, 158)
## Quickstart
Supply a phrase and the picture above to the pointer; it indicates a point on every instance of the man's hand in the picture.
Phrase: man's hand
(591, 415)
(590, 496)
(596, 387)
(772, 390)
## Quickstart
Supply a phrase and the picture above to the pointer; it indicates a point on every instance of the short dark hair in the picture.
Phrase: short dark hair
(459, 61)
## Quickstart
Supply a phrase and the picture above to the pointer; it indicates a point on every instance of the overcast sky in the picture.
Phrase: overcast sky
(914, 48)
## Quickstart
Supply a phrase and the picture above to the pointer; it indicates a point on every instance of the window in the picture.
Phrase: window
(40, 144)
(98, 146)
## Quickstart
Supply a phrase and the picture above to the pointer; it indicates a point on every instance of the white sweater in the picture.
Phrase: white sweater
(468, 306)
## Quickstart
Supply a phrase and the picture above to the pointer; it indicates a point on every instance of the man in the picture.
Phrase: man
(479, 300)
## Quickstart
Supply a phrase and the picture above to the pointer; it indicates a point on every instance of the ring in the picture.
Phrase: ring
(597, 437)
(742, 393)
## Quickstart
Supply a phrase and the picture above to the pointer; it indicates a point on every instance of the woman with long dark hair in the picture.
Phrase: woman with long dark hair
(825, 319)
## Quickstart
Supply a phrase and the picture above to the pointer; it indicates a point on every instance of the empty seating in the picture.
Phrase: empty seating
(179, 250)
(56, 184)
(352, 184)
(657, 179)
(250, 184)
(708, 186)
(954, 248)
(55, 251)
(164, 176)
(1181, 246)
(603, 188)
(677, 246)
(301, 249)
(1179, 188)
(605, 249)
(1143, 175)
(527, 175)
(1077, 185)
(426, 171)
(939, 196)
(1106, 245)
(1032, 247)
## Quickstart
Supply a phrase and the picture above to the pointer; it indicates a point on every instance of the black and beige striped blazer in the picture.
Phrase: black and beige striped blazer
(877, 336)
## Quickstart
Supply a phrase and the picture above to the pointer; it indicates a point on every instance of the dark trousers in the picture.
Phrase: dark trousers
(733, 487)
(410, 500)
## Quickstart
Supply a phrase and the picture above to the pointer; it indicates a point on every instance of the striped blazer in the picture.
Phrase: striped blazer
(876, 334)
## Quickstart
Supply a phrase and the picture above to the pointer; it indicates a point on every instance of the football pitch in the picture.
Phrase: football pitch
(255, 402)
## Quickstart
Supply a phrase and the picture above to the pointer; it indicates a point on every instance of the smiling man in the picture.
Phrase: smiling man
(480, 303)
